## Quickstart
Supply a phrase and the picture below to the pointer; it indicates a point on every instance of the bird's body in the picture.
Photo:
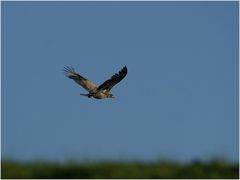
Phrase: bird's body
(98, 94)
(101, 91)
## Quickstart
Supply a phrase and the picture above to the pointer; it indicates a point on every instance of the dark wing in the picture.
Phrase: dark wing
(116, 78)
(86, 84)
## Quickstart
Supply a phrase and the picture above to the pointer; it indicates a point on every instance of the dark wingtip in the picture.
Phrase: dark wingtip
(124, 69)
(68, 69)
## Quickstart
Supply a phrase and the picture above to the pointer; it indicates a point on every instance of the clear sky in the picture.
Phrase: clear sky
(178, 101)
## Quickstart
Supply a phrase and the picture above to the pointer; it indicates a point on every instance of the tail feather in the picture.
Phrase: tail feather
(88, 95)
(84, 94)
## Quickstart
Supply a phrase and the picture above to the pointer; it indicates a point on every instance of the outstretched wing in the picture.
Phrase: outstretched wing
(86, 84)
(116, 78)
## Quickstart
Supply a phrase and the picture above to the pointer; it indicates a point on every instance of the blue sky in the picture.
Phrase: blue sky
(178, 101)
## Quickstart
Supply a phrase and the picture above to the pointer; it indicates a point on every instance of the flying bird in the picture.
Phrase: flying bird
(98, 92)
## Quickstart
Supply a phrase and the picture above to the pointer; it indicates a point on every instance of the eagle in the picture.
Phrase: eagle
(98, 92)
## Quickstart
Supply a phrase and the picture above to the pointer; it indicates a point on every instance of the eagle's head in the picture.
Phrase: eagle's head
(110, 96)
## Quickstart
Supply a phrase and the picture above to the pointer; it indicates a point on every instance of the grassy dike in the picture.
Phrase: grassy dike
(119, 169)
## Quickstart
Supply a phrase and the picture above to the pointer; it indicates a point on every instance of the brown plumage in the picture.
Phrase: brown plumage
(101, 91)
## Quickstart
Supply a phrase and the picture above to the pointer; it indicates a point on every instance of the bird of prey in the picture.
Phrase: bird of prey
(101, 91)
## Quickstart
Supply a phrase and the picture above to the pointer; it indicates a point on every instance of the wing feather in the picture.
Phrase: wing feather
(116, 78)
(85, 83)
